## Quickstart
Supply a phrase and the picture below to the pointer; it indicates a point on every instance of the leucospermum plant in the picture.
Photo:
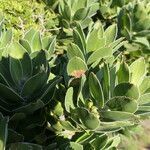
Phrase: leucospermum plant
(134, 24)
(24, 80)
(100, 104)
(87, 51)
(77, 11)
(33, 42)
(102, 97)
(26, 86)
(98, 95)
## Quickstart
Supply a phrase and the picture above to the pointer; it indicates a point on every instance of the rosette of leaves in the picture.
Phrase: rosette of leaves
(105, 101)
(33, 41)
(87, 51)
(25, 84)
(77, 11)
(26, 87)
(134, 24)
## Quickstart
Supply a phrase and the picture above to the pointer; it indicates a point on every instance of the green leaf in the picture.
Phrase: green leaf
(83, 138)
(145, 85)
(117, 42)
(122, 103)
(113, 126)
(78, 40)
(138, 70)
(82, 34)
(93, 8)
(67, 12)
(3, 80)
(80, 14)
(58, 110)
(88, 119)
(30, 108)
(127, 89)
(48, 43)
(3, 131)
(144, 99)
(34, 84)
(51, 48)
(96, 90)
(119, 46)
(6, 38)
(65, 23)
(69, 99)
(111, 33)
(18, 52)
(49, 92)
(99, 54)
(144, 108)
(142, 40)
(123, 73)
(106, 82)
(36, 42)
(16, 70)
(74, 146)
(76, 67)
(86, 22)
(26, 45)
(99, 142)
(25, 146)
(67, 125)
(29, 35)
(98, 43)
(117, 115)
(73, 50)
(95, 39)
(113, 142)
(10, 95)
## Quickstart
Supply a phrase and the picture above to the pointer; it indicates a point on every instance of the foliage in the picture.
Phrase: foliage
(77, 11)
(73, 87)
(22, 15)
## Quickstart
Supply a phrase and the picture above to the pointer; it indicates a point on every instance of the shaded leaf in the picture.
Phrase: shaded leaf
(96, 90)
(122, 103)
(34, 84)
(88, 119)
(127, 89)
(3, 131)
(69, 99)
(117, 115)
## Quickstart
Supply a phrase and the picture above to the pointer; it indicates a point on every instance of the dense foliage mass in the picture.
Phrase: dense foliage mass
(78, 79)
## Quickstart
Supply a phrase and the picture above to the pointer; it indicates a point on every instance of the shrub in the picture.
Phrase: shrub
(77, 89)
